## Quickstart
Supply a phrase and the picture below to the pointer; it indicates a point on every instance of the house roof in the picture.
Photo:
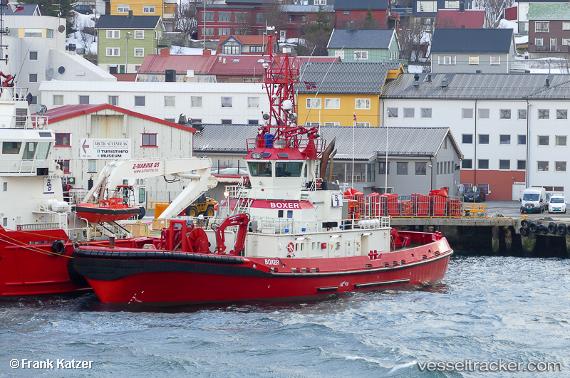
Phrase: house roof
(246, 39)
(472, 40)
(71, 111)
(453, 18)
(402, 141)
(344, 77)
(21, 9)
(479, 86)
(361, 5)
(548, 11)
(299, 8)
(127, 22)
(362, 38)
(229, 65)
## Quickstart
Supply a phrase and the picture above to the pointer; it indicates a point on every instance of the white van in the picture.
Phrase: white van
(534, 200)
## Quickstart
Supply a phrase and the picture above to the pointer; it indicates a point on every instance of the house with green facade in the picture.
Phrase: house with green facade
(124, 41)
(364, 45)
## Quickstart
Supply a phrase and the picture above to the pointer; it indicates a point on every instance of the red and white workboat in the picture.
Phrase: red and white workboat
(292, 236)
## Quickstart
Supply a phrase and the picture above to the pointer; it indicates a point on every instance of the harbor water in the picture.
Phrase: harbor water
(487, 309)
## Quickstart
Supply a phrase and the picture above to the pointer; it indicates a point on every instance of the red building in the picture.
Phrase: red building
(361, 14)
(233, 17)
(460, 19)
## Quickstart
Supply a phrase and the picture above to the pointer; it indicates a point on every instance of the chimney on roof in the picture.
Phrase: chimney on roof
(461, 6)
(416, 80)
(444, 82)
(130, 14)
(547, 82)
(164, 52)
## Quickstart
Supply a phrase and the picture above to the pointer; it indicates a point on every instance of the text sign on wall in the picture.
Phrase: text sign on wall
(112, 149)
(49, 183)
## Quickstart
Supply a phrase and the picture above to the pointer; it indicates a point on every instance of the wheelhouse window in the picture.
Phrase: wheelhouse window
(288, 169)
(11, 148)
(149, 140)
(62, 139)
(259, 168)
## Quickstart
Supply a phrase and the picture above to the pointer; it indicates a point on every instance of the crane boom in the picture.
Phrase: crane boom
(197, 170)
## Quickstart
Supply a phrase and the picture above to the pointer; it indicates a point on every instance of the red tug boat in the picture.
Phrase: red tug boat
(293, 235)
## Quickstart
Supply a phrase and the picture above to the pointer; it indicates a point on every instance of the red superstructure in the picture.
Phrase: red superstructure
(291, 239)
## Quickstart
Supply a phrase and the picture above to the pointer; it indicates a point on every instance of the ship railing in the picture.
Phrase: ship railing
(24, 121)
(298, 142)
(13, 93)
(37, 226)
(290, 226)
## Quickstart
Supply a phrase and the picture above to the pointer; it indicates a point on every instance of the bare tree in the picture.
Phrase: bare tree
(494, 10)
(410, 36)
(185, 19)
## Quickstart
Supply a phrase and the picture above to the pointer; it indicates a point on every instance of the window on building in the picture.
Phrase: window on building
(113, 51)
(227, 122)
(561, 114)
(113, 100)
(421, 168)
(474, 60)
(139, 52)
(91, 166)
(565, 25)
(521, 164)
(313, 103)
(505, 114)
(448, 59)
(84, 99)
(253, 102)
(226, 31)
(169, 101)
(426, 112)
(504, 164)
(483, 163)
(225, 16)
(467, 138)
(426, 6)
(409, 112)
(504, 139)
(332, 103)
(522, 114)
(521, 139)
(140, 100)
(33, 55)
(494, 60)
(467, 164)
(208, 16)
(253, 122)
(123, 8)
(483, 138)
(560, 166)
(542, 166)
(149, 9)
(402, 168)
(57, 100)
(541, 26)
(196, 101)
(539, 42)
(392, 112)
(339, 54)
(148, 140)
(361, 55)
(64, 165)
(483, 113)
(208, 31)
(33, 33)
(543, 140)
(362, 103)
(560, 140)
(382, 167)
(139, 34)
(543, 114)
(466, 113)
(362, 124)
(113, 34)
(62, 139)
(333, 124)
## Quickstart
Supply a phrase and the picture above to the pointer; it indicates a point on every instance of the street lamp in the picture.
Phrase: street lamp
(127, 36)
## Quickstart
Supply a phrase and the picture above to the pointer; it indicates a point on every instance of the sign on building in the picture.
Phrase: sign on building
(112, 149)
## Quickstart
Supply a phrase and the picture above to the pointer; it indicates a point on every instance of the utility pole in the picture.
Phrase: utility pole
(127, 36)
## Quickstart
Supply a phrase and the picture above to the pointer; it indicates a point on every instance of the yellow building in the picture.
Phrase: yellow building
(163, 8)
(341, 93)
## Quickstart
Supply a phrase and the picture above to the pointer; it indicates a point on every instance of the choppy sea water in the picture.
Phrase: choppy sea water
(488, 308)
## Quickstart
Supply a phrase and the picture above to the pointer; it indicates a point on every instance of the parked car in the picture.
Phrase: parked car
(557, 204)
(534, 200)
(474, 194)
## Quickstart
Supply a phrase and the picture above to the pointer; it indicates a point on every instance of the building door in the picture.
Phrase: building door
(518, 189)
(552, 44)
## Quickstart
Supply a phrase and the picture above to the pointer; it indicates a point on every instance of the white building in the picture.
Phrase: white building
(225, 103)
(76, 126)
(36, 52)
(512, 129)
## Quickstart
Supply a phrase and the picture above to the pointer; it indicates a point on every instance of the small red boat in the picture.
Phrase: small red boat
(295, 236)
(109, 210)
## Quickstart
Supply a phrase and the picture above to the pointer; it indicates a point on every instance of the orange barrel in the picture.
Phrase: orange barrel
(421, 204)
(438, 205)
(392, 205)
